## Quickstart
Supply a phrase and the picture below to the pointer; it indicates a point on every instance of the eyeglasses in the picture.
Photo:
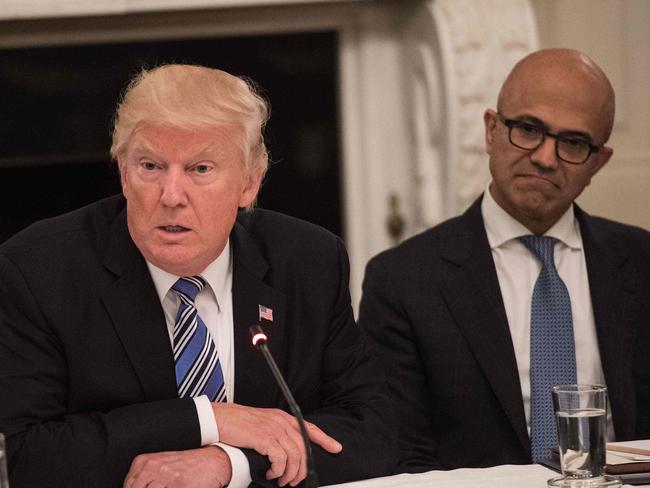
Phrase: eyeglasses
(529, 136)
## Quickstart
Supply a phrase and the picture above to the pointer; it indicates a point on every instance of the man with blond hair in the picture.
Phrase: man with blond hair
(125, 357)
(477, 318)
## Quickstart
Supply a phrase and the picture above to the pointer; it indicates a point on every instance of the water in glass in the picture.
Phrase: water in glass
(581, 436)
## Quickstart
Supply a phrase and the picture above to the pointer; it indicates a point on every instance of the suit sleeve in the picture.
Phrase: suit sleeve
(48, 444)
(641, 365)
(384, 318)
(353, 403)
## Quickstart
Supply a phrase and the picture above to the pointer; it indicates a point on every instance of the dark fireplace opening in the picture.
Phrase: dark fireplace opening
(57, 104)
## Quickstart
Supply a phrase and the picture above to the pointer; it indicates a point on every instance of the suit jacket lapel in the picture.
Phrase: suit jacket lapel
(611, 300)
(472, 292)
(254, 382)
(134, 307)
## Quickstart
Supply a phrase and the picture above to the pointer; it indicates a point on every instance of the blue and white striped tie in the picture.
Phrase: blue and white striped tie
(198, 370)
(552, 346)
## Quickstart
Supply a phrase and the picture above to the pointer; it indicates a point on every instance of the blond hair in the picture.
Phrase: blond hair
(189, 96)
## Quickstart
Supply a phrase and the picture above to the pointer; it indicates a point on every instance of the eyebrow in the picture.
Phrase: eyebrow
(144, 147)
(536, 121)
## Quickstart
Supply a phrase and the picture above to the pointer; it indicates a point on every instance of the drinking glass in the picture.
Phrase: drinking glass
(581, 418)
(4, 479)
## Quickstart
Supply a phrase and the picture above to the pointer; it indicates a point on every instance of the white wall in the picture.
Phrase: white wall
(615, 34)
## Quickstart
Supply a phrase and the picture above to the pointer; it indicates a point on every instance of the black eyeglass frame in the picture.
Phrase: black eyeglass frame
(510, 123)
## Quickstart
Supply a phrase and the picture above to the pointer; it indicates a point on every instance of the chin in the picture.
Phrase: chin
(534, 201)
(180, 264)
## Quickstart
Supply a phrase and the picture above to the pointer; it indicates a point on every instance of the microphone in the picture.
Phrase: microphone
(259, 340)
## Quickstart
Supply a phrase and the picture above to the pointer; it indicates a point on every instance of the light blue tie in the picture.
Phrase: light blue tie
(198, 370)
(552, 347)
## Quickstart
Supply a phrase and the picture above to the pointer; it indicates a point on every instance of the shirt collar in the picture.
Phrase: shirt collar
(501, 227)
(218, 275)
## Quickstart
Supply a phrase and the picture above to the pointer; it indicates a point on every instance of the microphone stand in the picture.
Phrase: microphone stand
(259, 340)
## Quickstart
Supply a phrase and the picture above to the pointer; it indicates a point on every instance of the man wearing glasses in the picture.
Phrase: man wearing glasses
(477, 318)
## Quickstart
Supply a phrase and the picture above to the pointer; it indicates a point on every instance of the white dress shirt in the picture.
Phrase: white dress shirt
(214, 306)
(517, 270)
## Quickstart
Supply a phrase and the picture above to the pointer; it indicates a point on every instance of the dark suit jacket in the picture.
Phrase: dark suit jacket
(434, 310)
(86, 368)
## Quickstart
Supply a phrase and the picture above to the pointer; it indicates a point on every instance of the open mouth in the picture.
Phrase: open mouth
(174, 228)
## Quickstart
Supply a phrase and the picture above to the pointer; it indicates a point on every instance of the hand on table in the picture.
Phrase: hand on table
(272, 433)
(207, 467)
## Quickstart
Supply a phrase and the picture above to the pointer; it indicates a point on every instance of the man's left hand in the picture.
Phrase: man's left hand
(207, 467)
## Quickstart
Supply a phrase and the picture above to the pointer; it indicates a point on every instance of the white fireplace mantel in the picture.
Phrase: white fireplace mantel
(26, 9)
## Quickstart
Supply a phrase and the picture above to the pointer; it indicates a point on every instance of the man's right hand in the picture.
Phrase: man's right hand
(272, 433)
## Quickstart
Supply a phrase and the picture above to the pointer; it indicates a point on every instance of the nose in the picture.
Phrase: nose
(173, 192)
(544, 156)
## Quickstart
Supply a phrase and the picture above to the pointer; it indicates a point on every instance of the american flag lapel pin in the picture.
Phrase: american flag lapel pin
(266, 313)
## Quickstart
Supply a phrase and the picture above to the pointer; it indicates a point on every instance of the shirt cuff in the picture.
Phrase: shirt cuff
(241, 471)
(207, 422)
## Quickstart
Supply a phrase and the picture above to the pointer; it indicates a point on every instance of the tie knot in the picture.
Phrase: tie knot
(542, 247)
(189, 286)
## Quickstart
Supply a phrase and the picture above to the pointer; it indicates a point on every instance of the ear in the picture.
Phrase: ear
(250, 189)
(601, 159)
(121, 166)
(490, 119)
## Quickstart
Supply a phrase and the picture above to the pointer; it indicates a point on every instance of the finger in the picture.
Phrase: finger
(302, 473)
(137, 482)
(130, 476)
(319, 437)
(140, 482)
(134, 471)
(278, 458)
(295, 458)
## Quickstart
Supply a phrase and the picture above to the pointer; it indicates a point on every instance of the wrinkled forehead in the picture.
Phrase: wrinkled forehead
(171, 142)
